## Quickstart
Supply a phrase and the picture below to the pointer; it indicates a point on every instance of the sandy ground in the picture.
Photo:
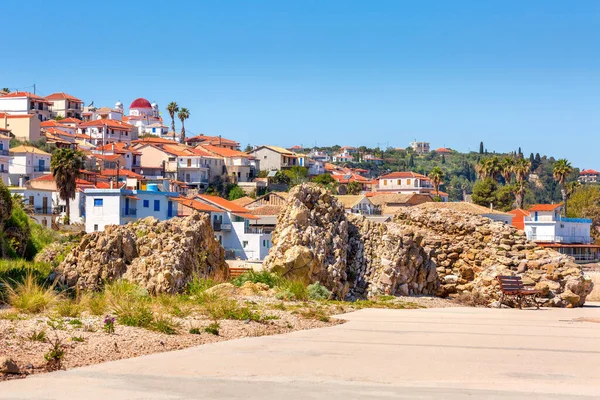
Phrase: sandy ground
(437, 353)
(85, 342)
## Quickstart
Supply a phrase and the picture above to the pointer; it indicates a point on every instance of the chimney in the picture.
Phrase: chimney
(111, 184)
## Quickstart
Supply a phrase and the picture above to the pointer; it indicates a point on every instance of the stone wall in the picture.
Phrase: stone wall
(422, 251)
(160, 256)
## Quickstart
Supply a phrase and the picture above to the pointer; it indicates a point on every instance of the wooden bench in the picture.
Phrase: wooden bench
(513, 286)
(235, 272)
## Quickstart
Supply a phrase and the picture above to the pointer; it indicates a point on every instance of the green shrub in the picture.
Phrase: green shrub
(37, 336)
(213, 328)
(95, 303)
(316, 291)
(195, 331)
(13, 271)
(223, 308)
(265, 277)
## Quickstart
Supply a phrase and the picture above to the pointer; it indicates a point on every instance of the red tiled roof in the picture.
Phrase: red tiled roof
(111, 123)
(32, 96)
(54, 123)
(63, 96)
(225, 204)
(195, 204)
(221, 151)
(122, 172)
(403, 174)
(443, 150)
(589, 172)
(545, 207)
(7, 115)
(153, 140)
(212, 140)
(70, 120)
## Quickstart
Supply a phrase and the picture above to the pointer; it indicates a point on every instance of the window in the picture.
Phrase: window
(408, 181)
(385, 182)
(266, 243)
(156, 205)
(399, 182)
(98, 202)
(146, 203)
(95, 227)
(244, 244)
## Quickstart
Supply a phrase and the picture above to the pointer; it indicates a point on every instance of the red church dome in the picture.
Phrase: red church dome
(140, 103)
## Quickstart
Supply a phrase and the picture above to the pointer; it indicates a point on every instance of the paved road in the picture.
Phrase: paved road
(452, 353)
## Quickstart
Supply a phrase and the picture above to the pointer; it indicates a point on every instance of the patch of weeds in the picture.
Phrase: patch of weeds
(230, 309)
(56, 353)
(195, 331)
(315, 313)
(165, 324)
(292, 290)
(75, 323)
(198, 285)
(176, 305)
(316, 291)
(68, 308)
(95, 303)
(109, 325)
(29, 296)
(56, 324)
(270, 317)
(385, 297)
(12, 316)
(395, 305)
(89, 327)
(130, 303)
(77, 339)
(37, 336)
(279, 306)
(266, 277)
(213, 328)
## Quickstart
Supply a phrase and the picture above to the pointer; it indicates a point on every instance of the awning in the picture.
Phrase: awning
(133, 197)
(246, 216)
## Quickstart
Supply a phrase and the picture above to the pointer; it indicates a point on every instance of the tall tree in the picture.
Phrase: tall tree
(66, 165)
(183, 114)
(480, 147)
(561, 170)
(521, 169)
(437, 177)
(488, 167)
(172, 108)
(506, 168)
(6, 90)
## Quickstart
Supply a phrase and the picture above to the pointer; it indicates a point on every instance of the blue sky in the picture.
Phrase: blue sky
(510, 73)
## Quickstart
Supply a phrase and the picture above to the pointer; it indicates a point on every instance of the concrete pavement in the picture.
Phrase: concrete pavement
(450, 353)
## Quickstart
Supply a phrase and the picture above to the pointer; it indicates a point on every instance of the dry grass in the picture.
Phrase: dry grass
(29, 296)
(595, 295)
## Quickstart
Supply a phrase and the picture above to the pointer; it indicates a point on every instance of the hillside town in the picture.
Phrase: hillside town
(135, 165)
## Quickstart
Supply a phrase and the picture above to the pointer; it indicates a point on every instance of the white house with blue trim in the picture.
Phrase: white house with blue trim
(120, 206)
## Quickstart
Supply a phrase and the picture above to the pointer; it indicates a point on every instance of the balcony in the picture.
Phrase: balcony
(219, 226)
(3, 152)
(46, 210)
(129, 213)
(559, 239)
(41, 168)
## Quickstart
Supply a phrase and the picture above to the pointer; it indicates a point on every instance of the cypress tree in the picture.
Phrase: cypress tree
(443, 159)
(480, 147)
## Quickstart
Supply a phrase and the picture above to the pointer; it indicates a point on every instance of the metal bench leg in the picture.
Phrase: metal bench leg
(501, 300)
(520, 298)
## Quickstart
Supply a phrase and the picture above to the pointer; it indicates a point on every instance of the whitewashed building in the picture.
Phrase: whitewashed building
(27, 162)
(25, 103)
(119, 206)
(232, 229)
(4, 156)
(546, 226)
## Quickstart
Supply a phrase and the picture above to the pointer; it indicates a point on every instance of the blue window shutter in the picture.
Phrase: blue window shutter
(156, 205)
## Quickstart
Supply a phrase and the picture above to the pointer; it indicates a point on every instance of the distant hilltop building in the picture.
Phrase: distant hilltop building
(420, 147)
(589, 176)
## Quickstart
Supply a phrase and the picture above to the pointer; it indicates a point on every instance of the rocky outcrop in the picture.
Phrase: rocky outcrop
(422, 251)
(471, 251)
(160, 256)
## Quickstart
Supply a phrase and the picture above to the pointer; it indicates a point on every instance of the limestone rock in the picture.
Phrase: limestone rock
(8, 366)
(159, 256)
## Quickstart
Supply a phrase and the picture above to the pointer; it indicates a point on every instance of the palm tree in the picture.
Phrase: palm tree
(437, 177)
(488, 168)
(506, 168)
(562, 169)
(172, 108)
(183, 114)
(521, 168)
(5, 90)
(66, 165)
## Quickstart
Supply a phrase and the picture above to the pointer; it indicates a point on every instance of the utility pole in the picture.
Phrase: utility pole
(118, 166)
